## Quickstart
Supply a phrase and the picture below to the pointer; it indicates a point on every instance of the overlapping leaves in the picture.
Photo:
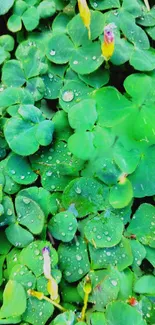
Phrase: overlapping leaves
(77, 147)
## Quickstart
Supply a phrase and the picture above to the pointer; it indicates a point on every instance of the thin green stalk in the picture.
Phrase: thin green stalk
(54, 303)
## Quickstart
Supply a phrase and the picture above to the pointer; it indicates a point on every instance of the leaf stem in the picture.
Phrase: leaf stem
(40, 296)
(87, 290)
(54, 303)
(147, 4)
(83, 312)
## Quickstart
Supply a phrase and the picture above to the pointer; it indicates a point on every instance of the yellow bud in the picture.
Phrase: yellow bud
(87, 287)
(52, 288)
(85, 14)
(107, 50)
(37, 294)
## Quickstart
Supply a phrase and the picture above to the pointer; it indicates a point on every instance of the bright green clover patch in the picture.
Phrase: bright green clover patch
(101, 164)
(85, 140)
(12, 305)
(140, 179)
(62, 128)
(14, 23)
(36, 87)
(63, 226)
(11, 96)
(121, 194)
(19, 170)
(87, 58)
(60, 22)
(84, 112)
(52, 84)
(20, 130)
(73, 259)
(66, 318)
(30, 18)
(80, 35)
(77, 157)
(5, 6)
(112, 107)
(139, 252)
(102, 231)
(13, 67)
(96, 79)
(55, 48)
(106, 290)
(23, 275)
(145, 284)
(105, 4)
(12, 259)
(143, 60)
(72, 93)
(119, 311)
(46, 9)
(29, 214)
(32, 59)
(98, 318)
(57, 166)
(127, 160)
(150, 255)
(126, 284)
(87, 194)
(123, 51)
(119, 255)
(31, 256)
(37, 310)
(8, 213)
(18, 236)
(41, 196)
(133, 33)
(143, 224)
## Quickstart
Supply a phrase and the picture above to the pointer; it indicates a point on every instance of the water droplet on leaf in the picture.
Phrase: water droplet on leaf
(68, 96)
(52, 52)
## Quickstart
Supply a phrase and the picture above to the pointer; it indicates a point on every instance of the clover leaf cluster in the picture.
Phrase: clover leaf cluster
(77, 157)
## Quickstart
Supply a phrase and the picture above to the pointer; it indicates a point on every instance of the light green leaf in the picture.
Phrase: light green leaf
(143, 60)
(119, 312)
(19, 170)
(103, 5)
(145, 285)
(87, 58)
(83, 115)
(30, 18)
(143, 224)
(18, 236)
(63, 226)
(5, 6)
(121, 194)
(73, 259)
(112, 106)
(14, 23)
(55, 48)
(12, 305)
(31, 256)
(81, 144)
(37, 310)
(102, 231)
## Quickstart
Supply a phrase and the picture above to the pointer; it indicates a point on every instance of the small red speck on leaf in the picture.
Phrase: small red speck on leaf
(132, 301)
